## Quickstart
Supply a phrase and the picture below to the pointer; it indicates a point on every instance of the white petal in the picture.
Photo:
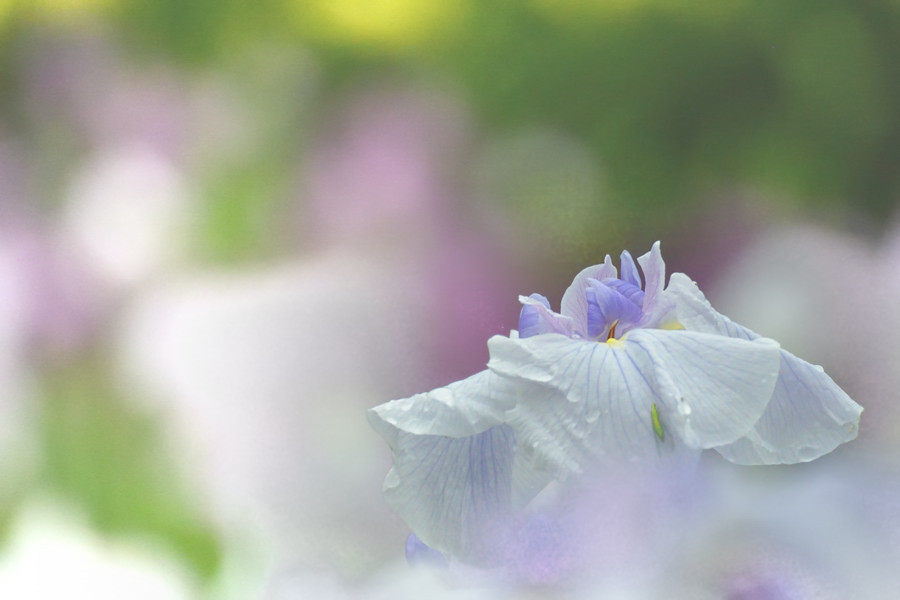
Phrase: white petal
(695, 313)
(654, 276)
(457, 478)
(720, 385)
(454, 493)
(808, 414)
(582, 401)
(460, 409)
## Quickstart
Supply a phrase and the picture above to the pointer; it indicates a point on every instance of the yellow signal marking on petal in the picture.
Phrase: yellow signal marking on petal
(672, 326)
(657, 424)
(615, 343)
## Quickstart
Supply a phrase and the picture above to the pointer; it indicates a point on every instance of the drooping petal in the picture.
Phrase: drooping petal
(460, 409)
(574, 302)
(537, 318)
(580, 402)
(629, 270)
(454, 493)
(808, 415)
(720, 386)
(457, 476)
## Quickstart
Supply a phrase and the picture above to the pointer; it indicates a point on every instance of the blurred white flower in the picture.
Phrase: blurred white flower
(127, 214)
(50, 554)
(266, 376)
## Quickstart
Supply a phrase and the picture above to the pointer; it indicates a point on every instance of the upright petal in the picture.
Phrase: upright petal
(537, 318)
(606, 305)
(695, 313)
(574, 302)
(654, 276)
(629, 270)
(808, 414)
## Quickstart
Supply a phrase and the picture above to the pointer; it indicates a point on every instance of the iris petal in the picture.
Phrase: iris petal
(574, 301)
(580, 402)
(455, 493)
(537, 318)
(655, 306)
(808, 415)
(720, 386)
(629, 270)
(607, 305)
(460, 409)
(458, 474)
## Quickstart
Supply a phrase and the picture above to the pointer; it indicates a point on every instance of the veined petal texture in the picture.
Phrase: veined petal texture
(460, 409)
(537, 318)
(457, 477)
(808, 415)
(644, 396)
(574, 301)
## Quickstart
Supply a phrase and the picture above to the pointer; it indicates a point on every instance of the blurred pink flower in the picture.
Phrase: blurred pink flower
(382, 182)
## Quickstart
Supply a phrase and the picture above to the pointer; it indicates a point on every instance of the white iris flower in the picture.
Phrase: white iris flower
(628, 371)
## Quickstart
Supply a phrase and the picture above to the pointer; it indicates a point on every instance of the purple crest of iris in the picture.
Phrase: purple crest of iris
(629, 371)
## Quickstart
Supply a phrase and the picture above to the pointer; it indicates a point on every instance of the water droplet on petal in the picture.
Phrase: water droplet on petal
(684, 408)
(819, 368)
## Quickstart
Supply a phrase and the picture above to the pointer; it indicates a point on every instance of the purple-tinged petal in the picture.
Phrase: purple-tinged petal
(455, 494)
(606, 305)
(537, 318)
(632, 292)
(629, 270)
(808, 415)
(458, 476)
(574, 303)
(654, 279)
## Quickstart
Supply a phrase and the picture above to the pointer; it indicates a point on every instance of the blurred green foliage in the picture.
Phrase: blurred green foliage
(114, 463)
(676, 99)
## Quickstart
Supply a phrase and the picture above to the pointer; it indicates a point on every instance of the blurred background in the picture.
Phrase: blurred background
(228, 228)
